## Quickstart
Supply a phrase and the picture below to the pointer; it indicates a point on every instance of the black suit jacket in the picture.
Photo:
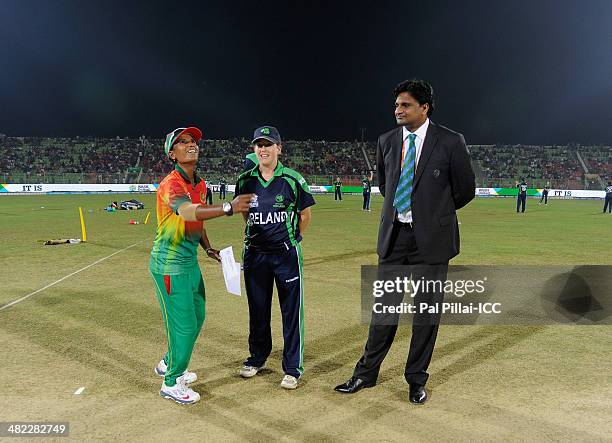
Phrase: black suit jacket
(444, 182)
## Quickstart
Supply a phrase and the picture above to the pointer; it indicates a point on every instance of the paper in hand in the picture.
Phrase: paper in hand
(231, 271)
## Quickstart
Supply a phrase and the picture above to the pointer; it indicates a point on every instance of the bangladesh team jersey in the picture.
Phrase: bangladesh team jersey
(273, 221)
(176, 240)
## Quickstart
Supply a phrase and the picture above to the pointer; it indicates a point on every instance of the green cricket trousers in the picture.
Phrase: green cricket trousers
(183, 304)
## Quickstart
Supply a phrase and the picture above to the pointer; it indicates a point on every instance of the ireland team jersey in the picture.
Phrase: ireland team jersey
(272, 224)
(176, 240)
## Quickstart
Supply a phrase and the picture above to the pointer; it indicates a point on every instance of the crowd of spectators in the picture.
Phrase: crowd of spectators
(218, 159)
(598, 160)
(522, 161)
(144, 160)
(38, 155)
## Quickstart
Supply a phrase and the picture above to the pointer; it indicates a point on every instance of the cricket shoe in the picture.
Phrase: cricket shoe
(187, 377)
(289, 382)
(250, 371)
(180, 393)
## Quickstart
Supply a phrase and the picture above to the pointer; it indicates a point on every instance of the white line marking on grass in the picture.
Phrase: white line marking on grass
(79, 391)
(67, 276)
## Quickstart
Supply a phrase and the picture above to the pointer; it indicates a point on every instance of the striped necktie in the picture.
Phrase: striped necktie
(403, 193)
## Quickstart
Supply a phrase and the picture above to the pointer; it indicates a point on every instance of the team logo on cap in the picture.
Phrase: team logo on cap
(265, 131)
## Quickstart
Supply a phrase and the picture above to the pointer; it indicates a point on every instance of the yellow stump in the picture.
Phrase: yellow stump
(83, 231)
(147, 218)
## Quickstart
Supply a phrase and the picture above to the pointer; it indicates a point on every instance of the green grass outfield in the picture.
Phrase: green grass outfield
(101, 329)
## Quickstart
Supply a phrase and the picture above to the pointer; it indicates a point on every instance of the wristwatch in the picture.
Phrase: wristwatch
(227, 208)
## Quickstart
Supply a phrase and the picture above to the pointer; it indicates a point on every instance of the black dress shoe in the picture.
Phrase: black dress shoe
(418, 394)
(353, 385)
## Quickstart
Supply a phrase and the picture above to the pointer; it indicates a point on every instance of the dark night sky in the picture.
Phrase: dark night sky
(514, 72)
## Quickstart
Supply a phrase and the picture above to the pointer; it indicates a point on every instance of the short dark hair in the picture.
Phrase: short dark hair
(420, 90)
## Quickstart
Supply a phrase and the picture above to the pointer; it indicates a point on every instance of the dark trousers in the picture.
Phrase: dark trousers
(544, 198)
(209, 198)
(608, 204)
(520, 202)
(424, 326)
(261, 271)
(366, 200)
(338, 194)
(221, 193)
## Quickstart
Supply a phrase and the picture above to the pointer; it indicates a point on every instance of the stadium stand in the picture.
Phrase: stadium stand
(503, 165)
(140, 160)
(598, 159)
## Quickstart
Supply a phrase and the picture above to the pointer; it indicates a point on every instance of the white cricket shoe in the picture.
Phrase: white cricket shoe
(250, 371)
(187, 377)
(180, 393)
(289, 382)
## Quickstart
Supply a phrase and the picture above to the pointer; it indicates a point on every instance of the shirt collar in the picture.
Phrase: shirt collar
(180, 170)
(420, 132)
(277, 171)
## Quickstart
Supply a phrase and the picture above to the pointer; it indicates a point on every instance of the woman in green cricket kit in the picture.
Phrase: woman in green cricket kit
(276, 220)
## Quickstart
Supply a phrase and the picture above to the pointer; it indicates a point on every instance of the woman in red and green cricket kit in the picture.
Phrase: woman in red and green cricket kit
(181, 210)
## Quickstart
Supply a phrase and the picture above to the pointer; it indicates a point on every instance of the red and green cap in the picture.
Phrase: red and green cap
(174, 136)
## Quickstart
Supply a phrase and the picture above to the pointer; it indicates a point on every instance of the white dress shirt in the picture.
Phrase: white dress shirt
(406, 217)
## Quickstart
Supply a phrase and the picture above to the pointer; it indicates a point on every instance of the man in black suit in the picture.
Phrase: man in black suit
(425, 175)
